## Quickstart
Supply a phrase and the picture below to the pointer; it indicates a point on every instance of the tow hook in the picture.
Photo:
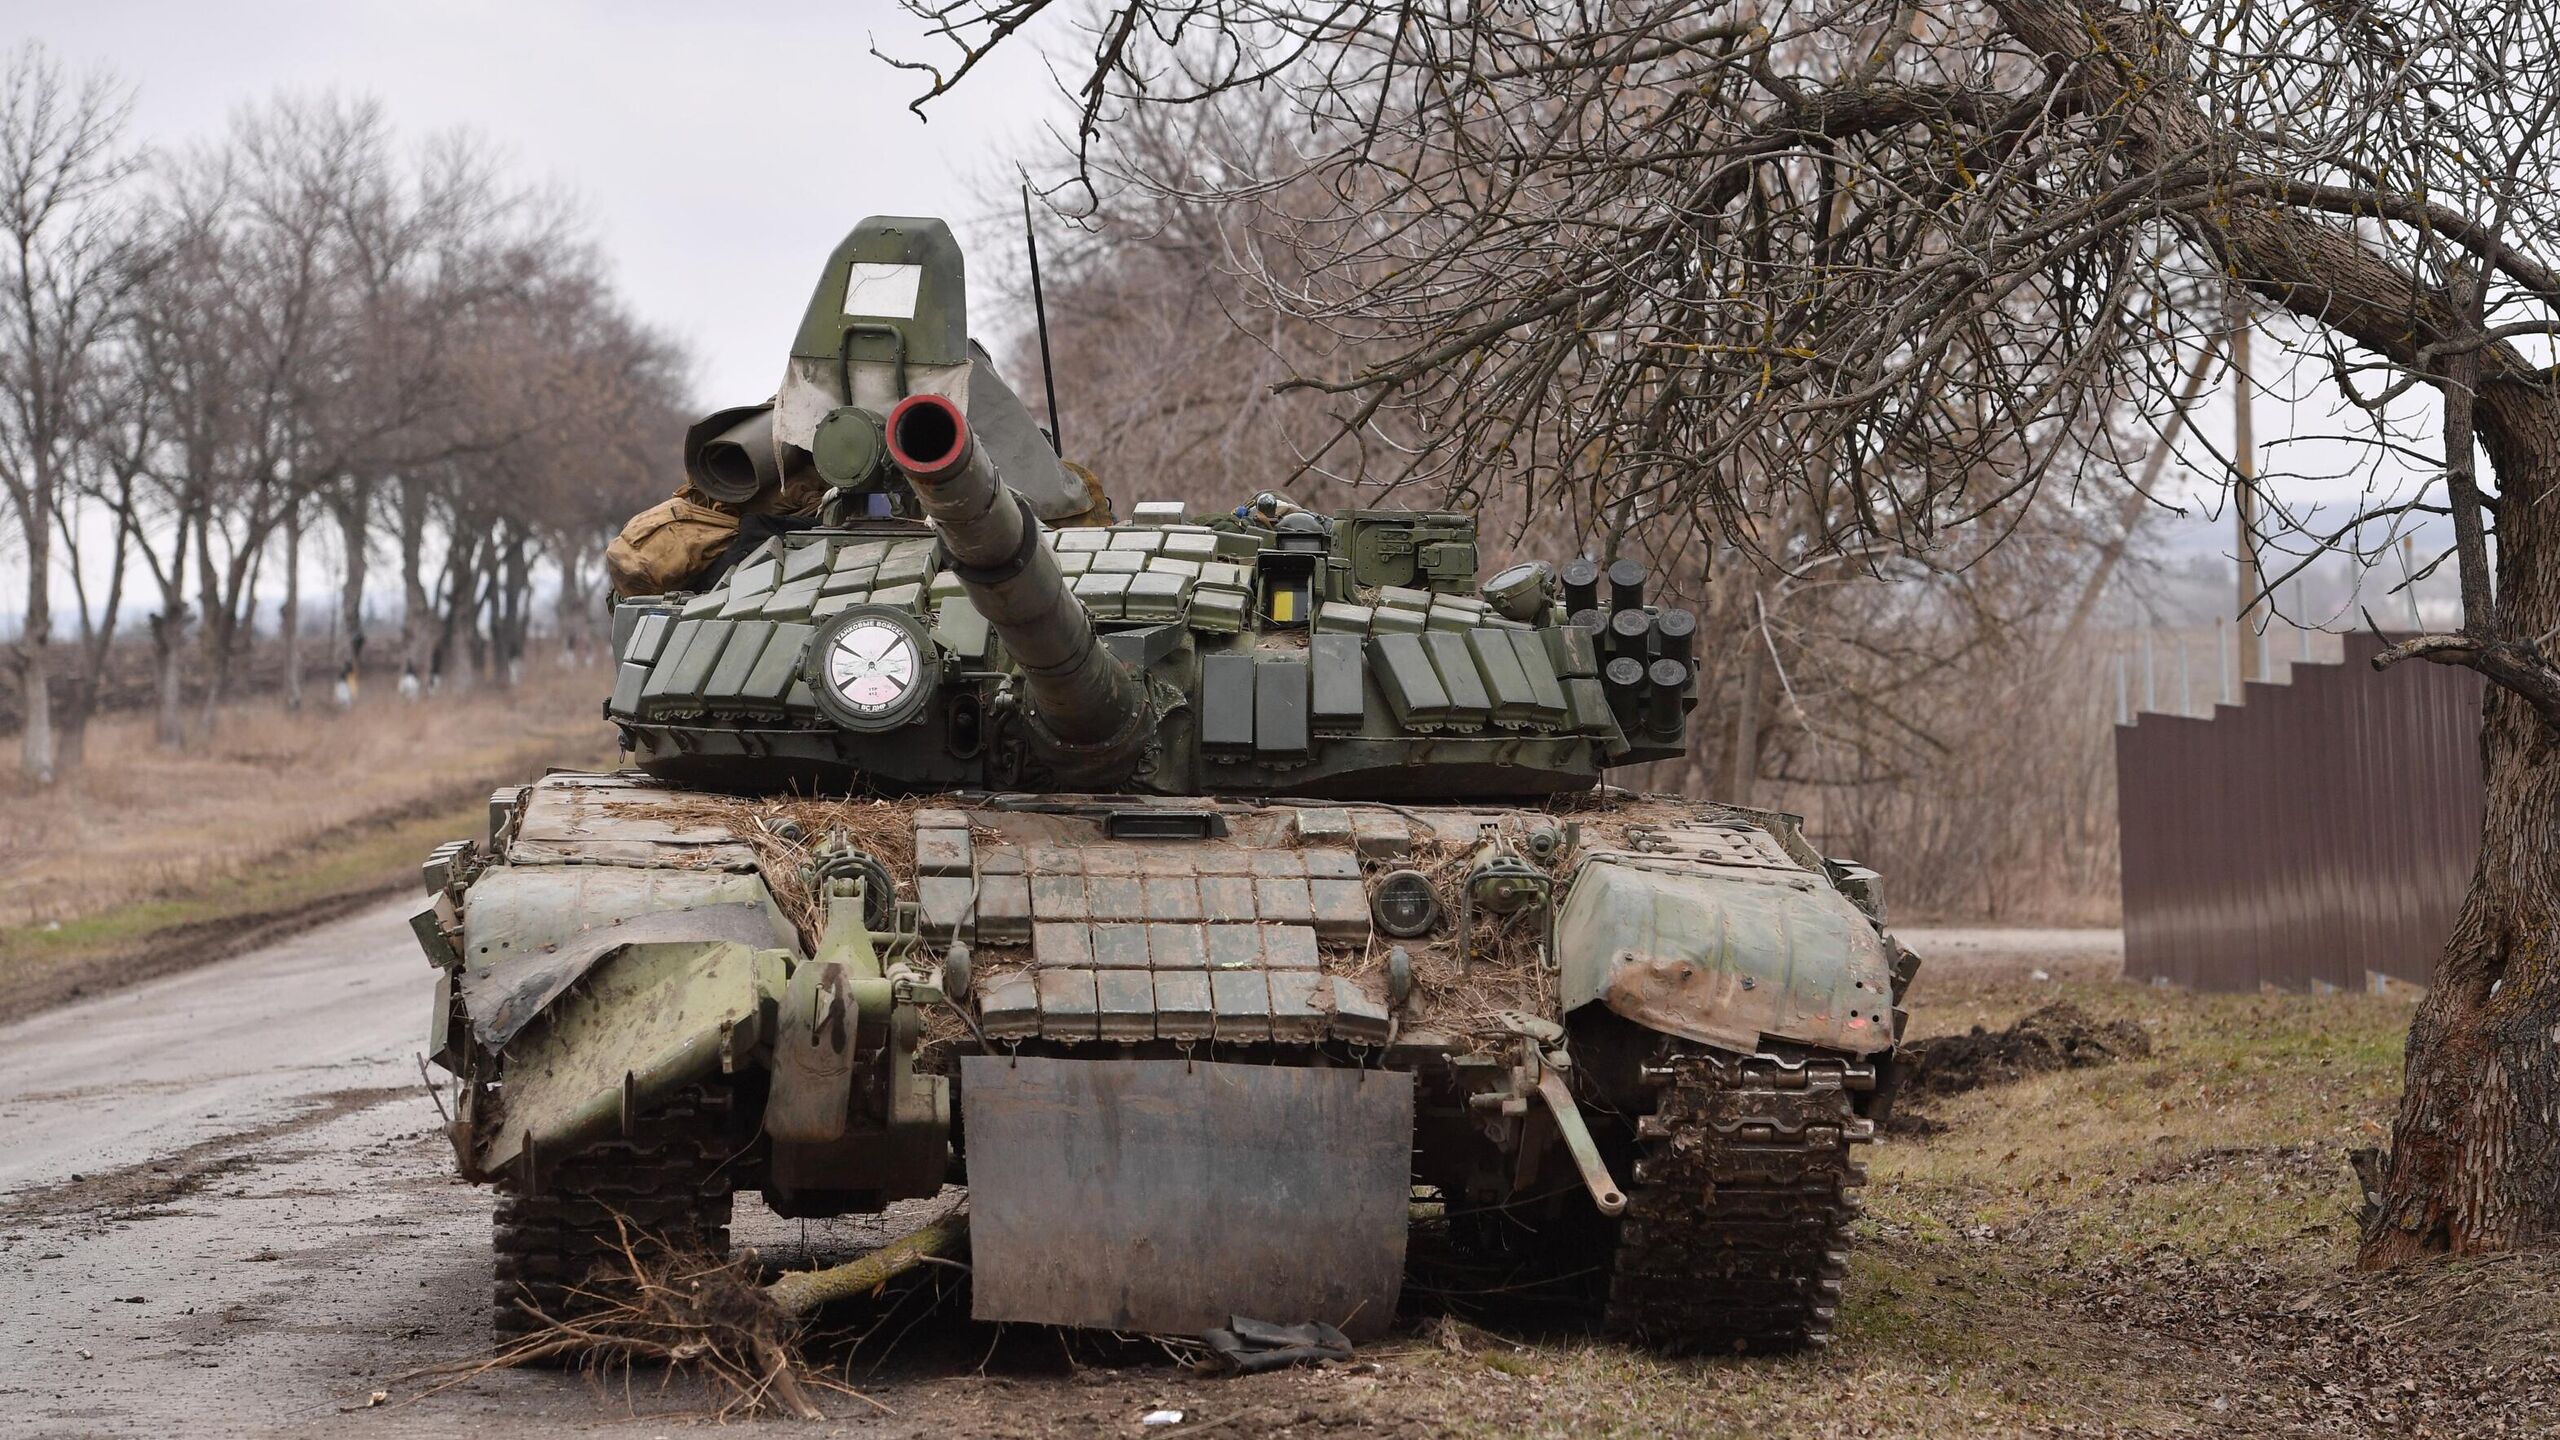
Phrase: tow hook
(1577, 1139)
(1543, 1055)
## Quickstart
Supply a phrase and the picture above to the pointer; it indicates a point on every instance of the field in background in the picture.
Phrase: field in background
(148, 860)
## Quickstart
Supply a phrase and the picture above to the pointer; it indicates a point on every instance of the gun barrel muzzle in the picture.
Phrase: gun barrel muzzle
(1082, 696)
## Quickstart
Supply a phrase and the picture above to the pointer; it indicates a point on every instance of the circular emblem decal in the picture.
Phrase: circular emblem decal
(871, 668)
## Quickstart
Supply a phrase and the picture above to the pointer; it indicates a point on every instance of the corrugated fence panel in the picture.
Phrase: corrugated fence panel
(2321, 832)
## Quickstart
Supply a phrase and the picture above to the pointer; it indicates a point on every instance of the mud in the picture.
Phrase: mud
(141, 1189)
(2055, 1037)
(31, 985)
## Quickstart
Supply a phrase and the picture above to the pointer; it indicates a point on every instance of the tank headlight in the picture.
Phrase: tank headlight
(1403, 905)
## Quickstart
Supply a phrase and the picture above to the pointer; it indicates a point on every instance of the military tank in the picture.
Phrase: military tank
(1201, 893)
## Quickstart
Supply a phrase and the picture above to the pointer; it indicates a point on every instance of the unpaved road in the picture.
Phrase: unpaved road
(226, 1208)
(1972, 954)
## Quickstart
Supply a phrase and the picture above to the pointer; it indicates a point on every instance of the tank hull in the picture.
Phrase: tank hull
(1185, 1012)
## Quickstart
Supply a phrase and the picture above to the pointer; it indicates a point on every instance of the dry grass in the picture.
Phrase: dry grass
(787, 831)
(146, 861)
(2158, 1247)
(138, 823)
(684, 1318)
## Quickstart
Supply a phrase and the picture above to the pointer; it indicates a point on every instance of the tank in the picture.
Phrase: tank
(1209, 895)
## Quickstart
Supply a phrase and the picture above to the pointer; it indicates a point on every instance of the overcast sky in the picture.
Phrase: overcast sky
(718, 150)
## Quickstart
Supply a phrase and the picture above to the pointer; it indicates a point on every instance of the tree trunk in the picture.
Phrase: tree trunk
(88, 681)
(217, 649)
(2475, 1152)
(36, 754)
(1744, 770)
(36, 758)
(353, 510)
(169, 670)
(575, 610)
(418, 643)
(71, 726)
(514, 616)
(289, 620)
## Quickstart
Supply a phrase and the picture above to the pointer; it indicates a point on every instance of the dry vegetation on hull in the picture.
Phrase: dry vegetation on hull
(786, 831)
(1459, 1000)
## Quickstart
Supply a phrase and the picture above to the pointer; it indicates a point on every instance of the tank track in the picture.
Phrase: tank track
(1734, 1235)
(557, 1250)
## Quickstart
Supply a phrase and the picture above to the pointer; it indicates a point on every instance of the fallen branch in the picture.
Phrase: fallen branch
(802, 1291)
(711, 1318)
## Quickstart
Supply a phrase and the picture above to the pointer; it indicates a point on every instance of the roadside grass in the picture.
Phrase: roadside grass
(145, 861)
(2161, 1247)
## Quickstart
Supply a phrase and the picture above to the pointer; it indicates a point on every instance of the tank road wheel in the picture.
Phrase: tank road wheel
(558, 1251)
(1735, 1232)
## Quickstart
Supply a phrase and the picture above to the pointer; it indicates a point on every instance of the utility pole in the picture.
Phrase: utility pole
(2244, 455)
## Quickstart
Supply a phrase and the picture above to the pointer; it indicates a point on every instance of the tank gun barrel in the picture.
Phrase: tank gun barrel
(1085, 700)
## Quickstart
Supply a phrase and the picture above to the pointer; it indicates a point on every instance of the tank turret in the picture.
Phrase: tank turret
(968, 612)
(1087, 709)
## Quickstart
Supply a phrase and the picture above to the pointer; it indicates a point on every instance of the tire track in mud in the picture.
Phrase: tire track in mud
(149, 1187)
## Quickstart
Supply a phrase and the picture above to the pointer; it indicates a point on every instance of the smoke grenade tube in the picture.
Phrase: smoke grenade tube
(1581, 585)
(1672, 632)
(1627, 631)
(1623, 678)
(1626, 585)
(1080, 694)
(1662, 706)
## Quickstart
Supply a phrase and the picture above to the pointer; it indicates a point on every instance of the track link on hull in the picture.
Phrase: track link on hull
(559, 1251)
(1734, 1235)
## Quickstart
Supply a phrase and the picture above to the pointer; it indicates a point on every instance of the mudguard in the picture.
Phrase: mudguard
(517, 909)
(606, 986)
(1725, 955)
(530, 932)
(508, 994)
(649, 1020)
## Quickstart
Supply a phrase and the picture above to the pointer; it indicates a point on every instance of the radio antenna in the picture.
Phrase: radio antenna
(1040, 312)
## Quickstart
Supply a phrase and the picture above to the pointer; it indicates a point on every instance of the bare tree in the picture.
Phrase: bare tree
(1657, 257)
(64, 269)
(106, 471)
(210, 361)
(1843, 682)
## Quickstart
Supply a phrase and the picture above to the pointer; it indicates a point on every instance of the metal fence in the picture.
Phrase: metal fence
(2319, 833)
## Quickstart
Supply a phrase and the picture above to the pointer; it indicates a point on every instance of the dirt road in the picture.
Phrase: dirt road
(226, 1208)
